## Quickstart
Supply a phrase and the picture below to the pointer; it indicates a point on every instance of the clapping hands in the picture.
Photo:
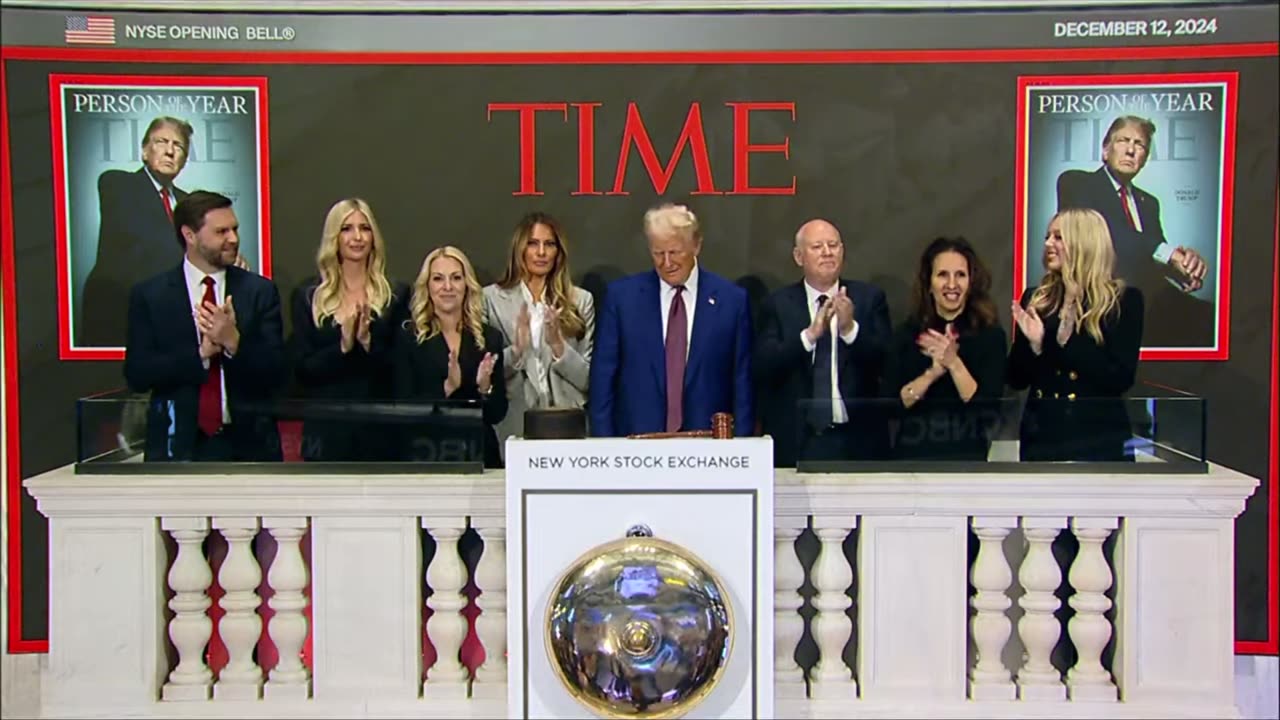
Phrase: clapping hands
(941, 347)
(217, 324)
(1029, 322)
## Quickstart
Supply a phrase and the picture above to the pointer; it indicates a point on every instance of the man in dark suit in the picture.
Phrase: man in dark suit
(673, 346)
(135, 231)
(818, 357)
(205, 340)
(1165, 273)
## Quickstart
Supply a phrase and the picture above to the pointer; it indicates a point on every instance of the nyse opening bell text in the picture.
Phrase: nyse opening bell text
(267, 33)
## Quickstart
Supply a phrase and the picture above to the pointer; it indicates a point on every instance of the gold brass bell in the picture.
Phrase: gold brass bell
(639, 628)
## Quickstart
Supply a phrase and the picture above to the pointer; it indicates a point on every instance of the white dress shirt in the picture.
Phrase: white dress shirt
(535, 368)
(1165, 250)
(839, 413)
(195, 292)
(667, 293)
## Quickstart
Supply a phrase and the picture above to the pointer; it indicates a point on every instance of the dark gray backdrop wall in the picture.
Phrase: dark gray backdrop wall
(894, 155)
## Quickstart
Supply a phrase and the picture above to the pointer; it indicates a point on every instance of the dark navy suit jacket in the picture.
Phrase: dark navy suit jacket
(784, 369)
(628, 391)
(136, 240)
(162, 358)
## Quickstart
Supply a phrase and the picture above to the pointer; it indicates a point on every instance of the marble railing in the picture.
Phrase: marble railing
(897, 594)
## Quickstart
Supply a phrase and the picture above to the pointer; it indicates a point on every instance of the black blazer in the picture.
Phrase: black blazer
(419, 374)
(940, 426)
(784, 370)
(162, 358)
(1074, 409)
(345, 427)
(136, 240)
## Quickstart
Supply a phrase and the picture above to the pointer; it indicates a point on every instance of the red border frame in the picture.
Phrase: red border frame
(66, 350)
(1223, 265)
(1270, 646)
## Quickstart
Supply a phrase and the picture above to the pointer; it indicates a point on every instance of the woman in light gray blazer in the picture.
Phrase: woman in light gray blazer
(547, 324)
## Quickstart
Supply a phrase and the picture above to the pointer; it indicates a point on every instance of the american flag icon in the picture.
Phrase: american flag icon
(90, 30)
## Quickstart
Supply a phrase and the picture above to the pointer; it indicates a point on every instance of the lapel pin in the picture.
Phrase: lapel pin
(711, 300)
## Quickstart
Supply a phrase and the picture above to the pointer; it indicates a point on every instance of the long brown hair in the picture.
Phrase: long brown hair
(559, 288)
(979, 310)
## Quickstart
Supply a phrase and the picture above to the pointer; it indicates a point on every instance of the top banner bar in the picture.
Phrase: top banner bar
(453, 33)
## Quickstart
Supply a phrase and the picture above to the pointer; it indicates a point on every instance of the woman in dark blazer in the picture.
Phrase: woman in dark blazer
(444, 351)
(1075, 347)
(344, 322)
(947, 361)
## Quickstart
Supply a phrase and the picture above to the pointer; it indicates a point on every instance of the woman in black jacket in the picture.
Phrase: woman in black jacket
(947, 361)
(344, 322)
(445, 351)
(1075, 347)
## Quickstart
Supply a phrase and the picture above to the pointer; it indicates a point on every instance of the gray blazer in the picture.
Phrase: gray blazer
(569, 374)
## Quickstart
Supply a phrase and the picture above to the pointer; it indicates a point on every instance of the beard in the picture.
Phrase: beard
(218, 257)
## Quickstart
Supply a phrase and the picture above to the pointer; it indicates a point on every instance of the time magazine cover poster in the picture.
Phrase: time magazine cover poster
(126, 150)
(1154, 155)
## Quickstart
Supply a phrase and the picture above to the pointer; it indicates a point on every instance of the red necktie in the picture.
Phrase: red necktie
(1124, 203)
(677, 344)
(209, 410)
(168, 208)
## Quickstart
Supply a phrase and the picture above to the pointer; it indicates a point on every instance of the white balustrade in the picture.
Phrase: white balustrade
(491, 627)
(832, 678)
(788, 624)
(241, 626)
(189, 578)
(991, 577)
(1038, 628)
(1172, 566)
(1089, 628)
(447, 627)
(289, 679)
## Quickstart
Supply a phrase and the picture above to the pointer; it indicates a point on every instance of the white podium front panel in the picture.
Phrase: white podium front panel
(713, 497)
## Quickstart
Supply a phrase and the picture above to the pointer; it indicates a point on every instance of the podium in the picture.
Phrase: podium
(712, 497)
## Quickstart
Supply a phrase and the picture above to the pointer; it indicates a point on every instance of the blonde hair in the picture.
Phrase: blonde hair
(1087, 272)
(672, 219)
(422, 312)
(559, 288)
(327, 297)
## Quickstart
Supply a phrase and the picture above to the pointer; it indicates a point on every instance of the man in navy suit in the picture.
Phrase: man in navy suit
(205, 340)
(673, 346)
(1165, 273)
(818, 358)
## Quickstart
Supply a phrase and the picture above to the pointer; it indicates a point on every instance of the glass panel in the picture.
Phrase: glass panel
(953, 435)
(123, 428)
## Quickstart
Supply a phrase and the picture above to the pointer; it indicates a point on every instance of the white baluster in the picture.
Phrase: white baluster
(287, 577)
(788, 624)
(491, 626)
(447, 627)
(189, 578)
(241, 627)
(832, 679)
(991, 576)
(1038, 628)
(1089, 628)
